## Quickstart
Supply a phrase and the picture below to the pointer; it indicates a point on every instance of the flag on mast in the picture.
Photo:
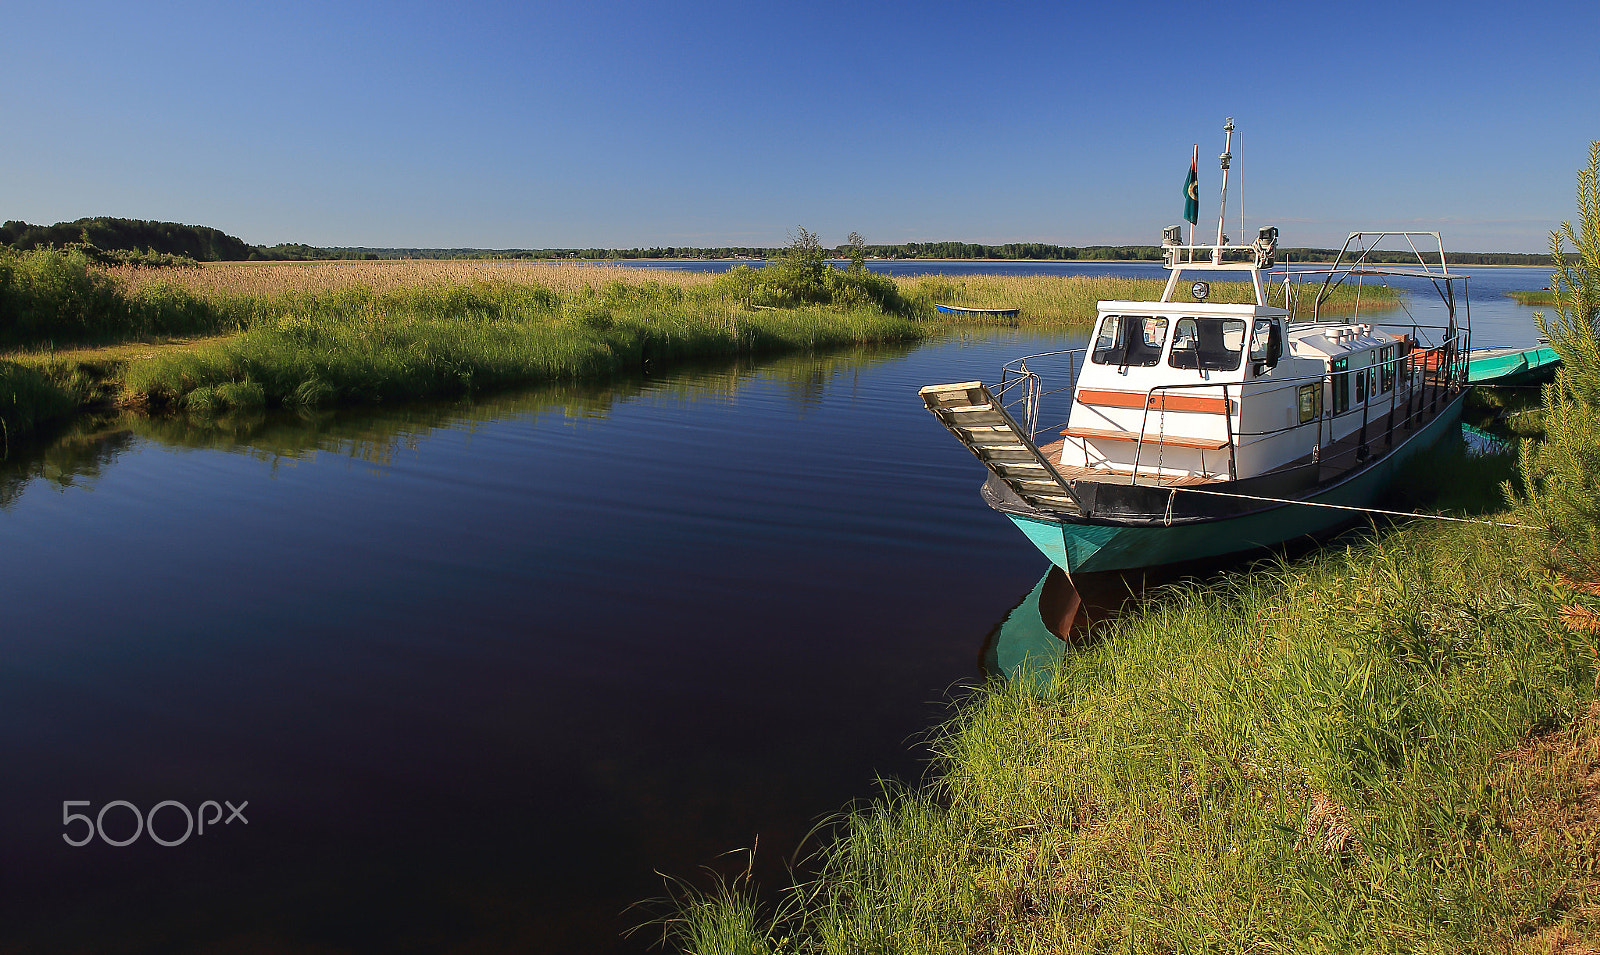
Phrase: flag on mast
(1191, 190)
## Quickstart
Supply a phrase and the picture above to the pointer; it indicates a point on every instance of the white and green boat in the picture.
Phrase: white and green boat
(1512, 365)
(1189, 429)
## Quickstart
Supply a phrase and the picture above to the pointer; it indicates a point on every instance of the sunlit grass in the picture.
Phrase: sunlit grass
(273, 279)
(1300, 758)
(417, 342)
(1048, 300)
(1043, 299)
(242, 335)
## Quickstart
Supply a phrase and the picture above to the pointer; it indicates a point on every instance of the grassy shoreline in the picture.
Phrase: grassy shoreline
(234, 336)
(1545, 297)
(1311, 757)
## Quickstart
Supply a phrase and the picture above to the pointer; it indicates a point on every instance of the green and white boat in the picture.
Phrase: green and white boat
(1512, 365)
(1195, 430)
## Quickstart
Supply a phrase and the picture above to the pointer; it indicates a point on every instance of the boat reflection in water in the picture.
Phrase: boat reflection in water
(1059, 613)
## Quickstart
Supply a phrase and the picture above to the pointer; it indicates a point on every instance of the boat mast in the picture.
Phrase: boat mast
(1222, 207)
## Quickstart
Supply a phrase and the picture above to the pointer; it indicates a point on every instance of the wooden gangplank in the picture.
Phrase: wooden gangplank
(971, 413)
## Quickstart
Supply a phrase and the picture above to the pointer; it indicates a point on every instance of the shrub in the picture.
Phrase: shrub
(56, 297)
(804, 276)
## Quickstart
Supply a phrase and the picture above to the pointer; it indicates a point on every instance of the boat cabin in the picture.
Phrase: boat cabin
(1199, 392)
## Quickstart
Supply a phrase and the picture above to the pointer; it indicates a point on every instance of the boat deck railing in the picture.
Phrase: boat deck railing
(1023, 386)
(1417, 381)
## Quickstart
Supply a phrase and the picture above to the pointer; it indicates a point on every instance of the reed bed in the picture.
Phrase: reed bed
(299, 332)
(1048, 300)
(276, 279)
(1044, 300)
(414, 342)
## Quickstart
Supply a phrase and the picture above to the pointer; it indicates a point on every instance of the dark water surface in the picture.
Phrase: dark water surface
(479, 669)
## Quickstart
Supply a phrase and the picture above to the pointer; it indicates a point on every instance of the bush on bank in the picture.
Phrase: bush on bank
(51, 298)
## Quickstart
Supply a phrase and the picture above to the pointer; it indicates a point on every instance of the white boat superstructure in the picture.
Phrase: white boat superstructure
(1217, 392)
(1189, 427)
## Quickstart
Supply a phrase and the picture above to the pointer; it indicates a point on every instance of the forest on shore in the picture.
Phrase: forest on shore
(144, 242)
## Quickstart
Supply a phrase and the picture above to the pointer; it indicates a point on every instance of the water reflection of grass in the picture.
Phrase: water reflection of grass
(78, 453)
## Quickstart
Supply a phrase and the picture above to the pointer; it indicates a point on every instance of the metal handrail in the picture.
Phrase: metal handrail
(1019, 374)
(1016, 372)
(1455, 361)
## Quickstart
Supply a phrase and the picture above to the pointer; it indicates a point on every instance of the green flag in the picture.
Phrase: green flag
(1191, 194)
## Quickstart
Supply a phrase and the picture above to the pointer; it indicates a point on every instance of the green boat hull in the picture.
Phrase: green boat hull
(1085, 546)
(1496, 366)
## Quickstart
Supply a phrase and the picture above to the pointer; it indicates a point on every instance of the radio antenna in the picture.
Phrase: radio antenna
(1222, 206)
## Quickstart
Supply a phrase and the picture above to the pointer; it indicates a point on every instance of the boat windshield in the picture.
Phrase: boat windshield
(1130, 340)
(1210, 344)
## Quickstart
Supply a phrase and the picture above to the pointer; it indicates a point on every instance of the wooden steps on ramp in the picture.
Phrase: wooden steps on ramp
(978, 420)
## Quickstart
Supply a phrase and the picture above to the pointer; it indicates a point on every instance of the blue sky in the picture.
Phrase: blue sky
(499, 125)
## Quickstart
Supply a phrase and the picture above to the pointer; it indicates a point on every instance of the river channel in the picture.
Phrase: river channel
(464, 676)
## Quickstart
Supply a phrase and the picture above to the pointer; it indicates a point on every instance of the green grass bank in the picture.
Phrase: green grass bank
(232, 337)
(1308, 757)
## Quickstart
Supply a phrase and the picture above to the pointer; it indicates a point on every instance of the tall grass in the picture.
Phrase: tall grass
(1044, 300)
(274, 279)
(414, 342)
(1298, 759)
(50, 298)
(305, 334)
(1047, 300)
(28, 397)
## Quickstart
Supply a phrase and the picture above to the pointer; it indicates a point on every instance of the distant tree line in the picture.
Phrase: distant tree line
(300, 252)
(198, 242)
(147, 242)
(1454, 258)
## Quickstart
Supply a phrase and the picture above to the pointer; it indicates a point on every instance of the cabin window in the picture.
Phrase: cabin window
(1386, 373)
(1361, 385)
(1130, 340)
(1209, 344)
(1310, 402)
(1266, 344)
(1341, 386)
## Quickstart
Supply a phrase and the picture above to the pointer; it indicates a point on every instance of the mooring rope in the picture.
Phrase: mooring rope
(1348, 507)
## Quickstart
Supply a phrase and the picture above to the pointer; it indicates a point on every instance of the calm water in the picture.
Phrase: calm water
(479, 670)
